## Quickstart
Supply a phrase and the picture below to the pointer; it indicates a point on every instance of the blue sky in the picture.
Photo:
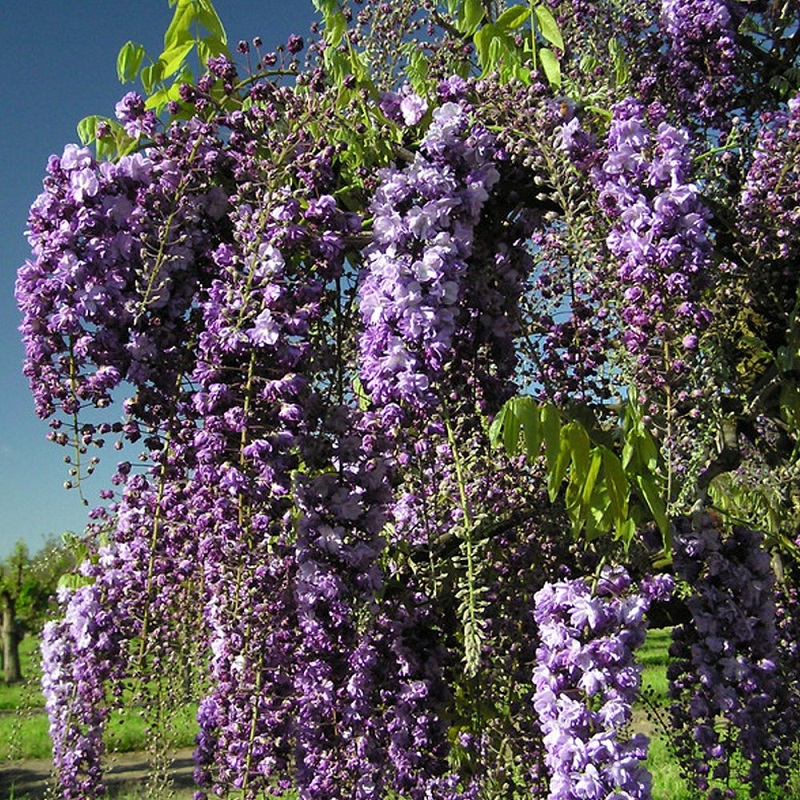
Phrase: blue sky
(58, 65)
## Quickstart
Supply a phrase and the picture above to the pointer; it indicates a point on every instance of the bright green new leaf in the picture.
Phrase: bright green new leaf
(579, 448)
(655, 502)
(129, 60)
(511, 18)
(551, 431)
(551, 67)
(621, 71)
(210, 47)
(496, 428)
(511, 428)
(211, 21)
(529, 415)
(591, 477)
(87, 129)
(335, 27)
(646, 448)
(174, 58)
(549, 27)
(164, 96)
(483, 39)
(496, 53)
(626, 530)
(326, 7)
(557, 463)
(151, 75)
(618, 487)
(474, 13)
(183, 18)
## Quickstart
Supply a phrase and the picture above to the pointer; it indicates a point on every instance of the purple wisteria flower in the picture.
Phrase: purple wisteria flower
(137, 120)
(586, 681)
(701, 56)
(659, 237)
(425, 215)
(725, 660)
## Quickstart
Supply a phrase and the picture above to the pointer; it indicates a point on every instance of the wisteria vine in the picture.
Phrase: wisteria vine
(312, 296)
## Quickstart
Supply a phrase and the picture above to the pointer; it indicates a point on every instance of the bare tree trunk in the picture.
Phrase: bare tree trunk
(11, 663)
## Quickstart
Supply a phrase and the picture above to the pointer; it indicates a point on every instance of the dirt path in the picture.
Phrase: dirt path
(28, 778)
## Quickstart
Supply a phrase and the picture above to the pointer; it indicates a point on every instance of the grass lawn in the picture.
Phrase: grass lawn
(24, 724)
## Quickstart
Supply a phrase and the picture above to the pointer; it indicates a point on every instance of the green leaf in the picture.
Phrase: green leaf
(579, 448)
(557, 465)
(210, 47)
(483, 39)
(211, 21)
(551, 430)
(496, 428)
(511, 428)
(151, 75)
(174, 58)
(496, 51)
(529, 415)
(626, 530)
(551, 67)
(512, 18)
(590, 479)
(646, 448)
(549, 27)
(474, 13)
(164, 96)
(326, 7)
(364, 401)
(87, 129)
(618, 486)
(181, 24)
(620, 61)
(335, 28)
(655, 502)
(129, 60)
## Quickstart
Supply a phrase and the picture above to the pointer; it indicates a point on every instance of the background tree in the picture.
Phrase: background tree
(28, 586)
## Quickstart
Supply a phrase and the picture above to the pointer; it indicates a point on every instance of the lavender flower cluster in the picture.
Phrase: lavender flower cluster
(771, 194)
(425, 216)
(725, 659)
(701, 55)
(79, 650)
(586, 681)
(659, 236)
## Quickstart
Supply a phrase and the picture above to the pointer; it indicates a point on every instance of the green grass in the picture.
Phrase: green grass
(24, 724)
(26, 694)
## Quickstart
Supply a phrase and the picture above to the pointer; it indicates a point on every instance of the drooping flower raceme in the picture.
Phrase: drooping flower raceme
(725, 659)
(425, 216)
(586, 681)
(659, 238)
(701, 56)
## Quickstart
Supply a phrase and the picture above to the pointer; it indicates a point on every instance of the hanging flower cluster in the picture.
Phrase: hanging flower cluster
(659, 237)
(425, 216)
(725, 659)
(701, 56)
(586, 682)
(313, 300)
(81, 649)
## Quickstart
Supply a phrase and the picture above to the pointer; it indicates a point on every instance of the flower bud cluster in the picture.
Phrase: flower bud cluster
(769, 210)
(586, 682)
(701, 55)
